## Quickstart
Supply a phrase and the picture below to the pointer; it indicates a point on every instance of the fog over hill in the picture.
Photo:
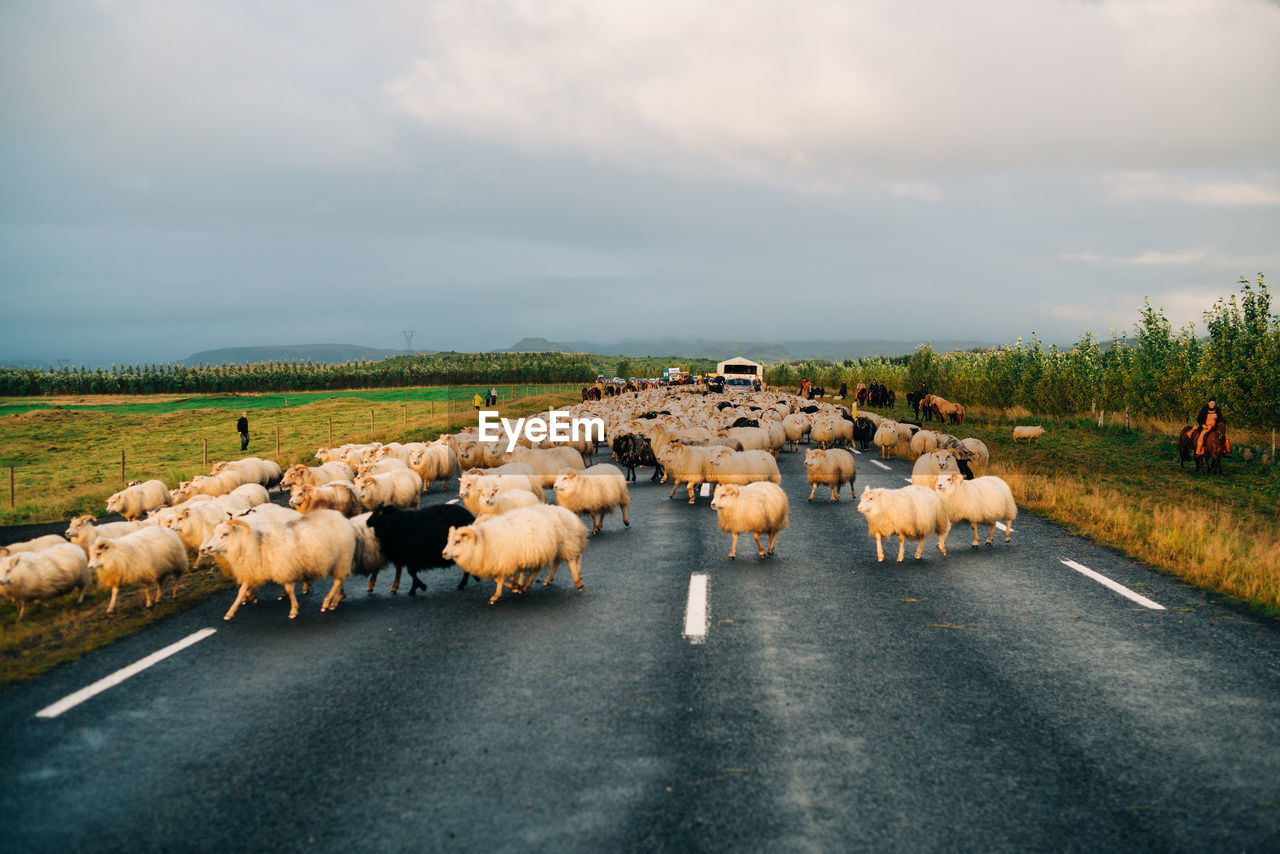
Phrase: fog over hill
(322, 353)
(765, 352)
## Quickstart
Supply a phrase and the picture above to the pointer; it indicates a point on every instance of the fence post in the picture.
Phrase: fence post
(286, 401)
(405, 415)
(370, 420)
(11, 493)
(122, 480)
(205, 453)
(277, 440)
(330, 432)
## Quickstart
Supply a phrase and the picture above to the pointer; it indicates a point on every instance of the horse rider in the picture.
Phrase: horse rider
(1209, 417)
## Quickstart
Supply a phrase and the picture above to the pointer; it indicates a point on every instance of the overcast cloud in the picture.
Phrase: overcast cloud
(181, 176)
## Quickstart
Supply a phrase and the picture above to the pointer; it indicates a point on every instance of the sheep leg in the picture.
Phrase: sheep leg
(176, 579)
(293, 600)
(692, 486)
(575, 569)
(597, 522)
(111, 606)
(497, 593)
(919, 547)
(466, 576)
(942, 542)
(975, 534)
(395, 585)
(733, 549)
(835, 492)
(625, 520)
(902, 545)
(1008, 529)
(879, 550)
(373, 576)
(773, 538)
(231, 612)
(413, 588)
(335, 596)
(759, 545)
(812, 491)
(552, 576)
(674, 486)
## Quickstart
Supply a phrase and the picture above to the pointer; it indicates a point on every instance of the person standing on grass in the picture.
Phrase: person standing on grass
(242, 427)
(493, 395)
(478, 401)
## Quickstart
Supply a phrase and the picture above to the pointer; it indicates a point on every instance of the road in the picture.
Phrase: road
(995, 699)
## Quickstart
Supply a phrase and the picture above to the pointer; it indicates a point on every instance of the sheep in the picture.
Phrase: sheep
(265, 473)
(546, 463)
(385, 465)
(864, 430)
(509, 477)
(742, 467)
(84, 533)
(434, 462)
(823, 432)
(303, 475)
(144, 557)
(759, 507)
(253, 493)
(35, 545)
(495, 503)
(194, 523)
(752, 438)
(414, 540)
(795, 426)
(923, 442)
(886, 437)
(215, 485)
(595, 491)
(338, 495)
(632, 450)
(978, 453)
(368, 559)
(1030, 433)
(833, 468)
(515, 547)
(685, 465)
(912, 511)
(982, 500)
(39, 575)
(135, 500)
(927, 468)
(320, 544)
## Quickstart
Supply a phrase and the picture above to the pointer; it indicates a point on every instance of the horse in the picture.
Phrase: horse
(1215, 448)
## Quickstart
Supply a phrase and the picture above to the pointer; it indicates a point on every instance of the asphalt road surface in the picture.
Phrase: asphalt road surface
(996, 699)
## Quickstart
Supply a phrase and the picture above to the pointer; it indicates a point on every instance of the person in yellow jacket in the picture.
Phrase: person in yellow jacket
(478, 401)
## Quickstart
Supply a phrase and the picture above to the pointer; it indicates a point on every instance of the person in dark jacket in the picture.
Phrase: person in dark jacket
(242, 427)
(1209, 417)
(844, 390)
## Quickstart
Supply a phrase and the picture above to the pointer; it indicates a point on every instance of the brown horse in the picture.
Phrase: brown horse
(1215, 448)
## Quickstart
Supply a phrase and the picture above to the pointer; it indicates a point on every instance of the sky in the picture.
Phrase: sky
(181, 176)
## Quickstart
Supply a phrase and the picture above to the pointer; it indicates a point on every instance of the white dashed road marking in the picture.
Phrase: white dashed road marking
(705, 491)
(882, 465)
(1119, 588)
(695, 615)
(73, 700)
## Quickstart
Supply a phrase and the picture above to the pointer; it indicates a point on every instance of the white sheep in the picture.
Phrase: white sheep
(144, 557)
(1030, 433)
(546, 463)
(596, 491)
(910, 512)
(742, 467)
(886, 437)
(517, 546)
(978, 453)
(434, 462)
(923, 442)
(822, 432)
(135, 500)
(321, 544)
(303, 475)
(511, 476)
(795, 427)
(84, 533)
(265, 473)
(369, 558)
(40, 575)
(759, 507)
(215, 485)
(494, 502)
(832, 468)
(385, 465)
(337, 495)
(927, 468)
(684, 464)
(983, 500)
(34, 545)
(253, 493)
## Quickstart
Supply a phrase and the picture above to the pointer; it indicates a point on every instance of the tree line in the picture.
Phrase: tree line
(1155, 372)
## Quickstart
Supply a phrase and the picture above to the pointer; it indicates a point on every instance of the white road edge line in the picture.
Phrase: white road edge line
(452, 501)
(1119, 588)
(72, 700)
(695, 614)
(856, 451)
(705, 490)
(882, 465)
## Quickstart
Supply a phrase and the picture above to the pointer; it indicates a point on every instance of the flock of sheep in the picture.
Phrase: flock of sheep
(358, 512)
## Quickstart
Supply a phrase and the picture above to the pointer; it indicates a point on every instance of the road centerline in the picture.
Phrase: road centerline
(1117, 587)
(72, 700)
(695, 614)
(882, 465)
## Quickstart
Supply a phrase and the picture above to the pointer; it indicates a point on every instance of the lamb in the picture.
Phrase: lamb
(303, 475)
(984, 500)
(265, 473)
(39, 575)
(144, 557)
(595, 491)
(886, 437)
(742, 467)
(495, 503)
(320, 544)
(515, 547)
(35, 545)
(338, 495)
(135, 500)
(434, 462)
(760, 508)
(1030, 433)
(912, 511)
(927, 468)
(84, 533)
(833, 467)
(414, 540)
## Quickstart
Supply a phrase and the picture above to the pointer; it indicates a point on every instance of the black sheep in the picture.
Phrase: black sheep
(631, 450)
(415, 539)
(746, 422)
(863, 432)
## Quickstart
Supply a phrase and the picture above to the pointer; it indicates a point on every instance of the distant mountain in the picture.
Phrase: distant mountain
(768, 353)
(320, 353)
